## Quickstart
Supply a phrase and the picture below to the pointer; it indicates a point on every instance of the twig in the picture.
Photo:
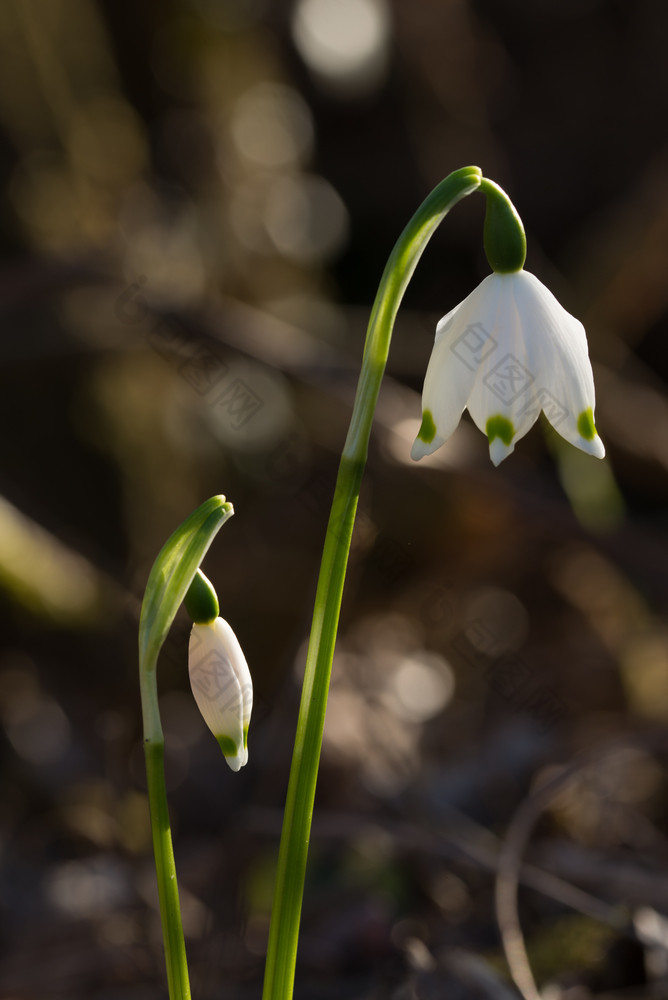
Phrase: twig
(514, 846)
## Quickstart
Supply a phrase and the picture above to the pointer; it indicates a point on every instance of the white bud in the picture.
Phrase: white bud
(222, 686)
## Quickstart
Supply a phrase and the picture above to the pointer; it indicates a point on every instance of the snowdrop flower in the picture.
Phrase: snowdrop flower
(222, 686)
(508, 352)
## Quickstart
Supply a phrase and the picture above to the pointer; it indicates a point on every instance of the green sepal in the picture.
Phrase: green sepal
(503, 235)
(173, 572)
(201, 600)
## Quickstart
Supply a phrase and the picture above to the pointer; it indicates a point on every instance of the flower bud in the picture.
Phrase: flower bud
(222, 686)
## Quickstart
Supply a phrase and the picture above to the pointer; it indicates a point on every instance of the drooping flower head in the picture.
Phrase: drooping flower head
(222, 686)
(508, 352)
(219, 675)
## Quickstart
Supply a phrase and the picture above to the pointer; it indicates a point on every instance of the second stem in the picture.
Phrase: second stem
(286, 912)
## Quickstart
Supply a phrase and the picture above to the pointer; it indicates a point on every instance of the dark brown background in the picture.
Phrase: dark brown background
(194, 221)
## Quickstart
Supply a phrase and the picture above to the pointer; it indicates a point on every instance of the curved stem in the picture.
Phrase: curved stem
(286, 913)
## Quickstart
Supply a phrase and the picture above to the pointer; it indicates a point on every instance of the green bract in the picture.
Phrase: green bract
(173, 572)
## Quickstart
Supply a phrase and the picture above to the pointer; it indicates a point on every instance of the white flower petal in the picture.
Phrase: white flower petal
(222, 687)
(498, 399)
(566, 390)
(461, 343)
(446, 390)
(229, 640)
(507, 352)
(498, 450)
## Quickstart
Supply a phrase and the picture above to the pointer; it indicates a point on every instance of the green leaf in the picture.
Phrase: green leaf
(173, 572)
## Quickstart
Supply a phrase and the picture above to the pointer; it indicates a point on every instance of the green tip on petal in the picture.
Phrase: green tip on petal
(235, 756)
(586, 426)
(228, 746)
(427, 431)
(500, 427)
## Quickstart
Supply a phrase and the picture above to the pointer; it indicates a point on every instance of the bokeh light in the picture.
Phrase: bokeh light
(345, 44)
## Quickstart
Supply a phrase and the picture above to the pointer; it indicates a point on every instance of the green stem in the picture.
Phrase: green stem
(168, 891)
(169, 583)
(286, 913)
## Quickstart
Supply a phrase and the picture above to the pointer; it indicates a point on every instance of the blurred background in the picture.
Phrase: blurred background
(198, 199)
